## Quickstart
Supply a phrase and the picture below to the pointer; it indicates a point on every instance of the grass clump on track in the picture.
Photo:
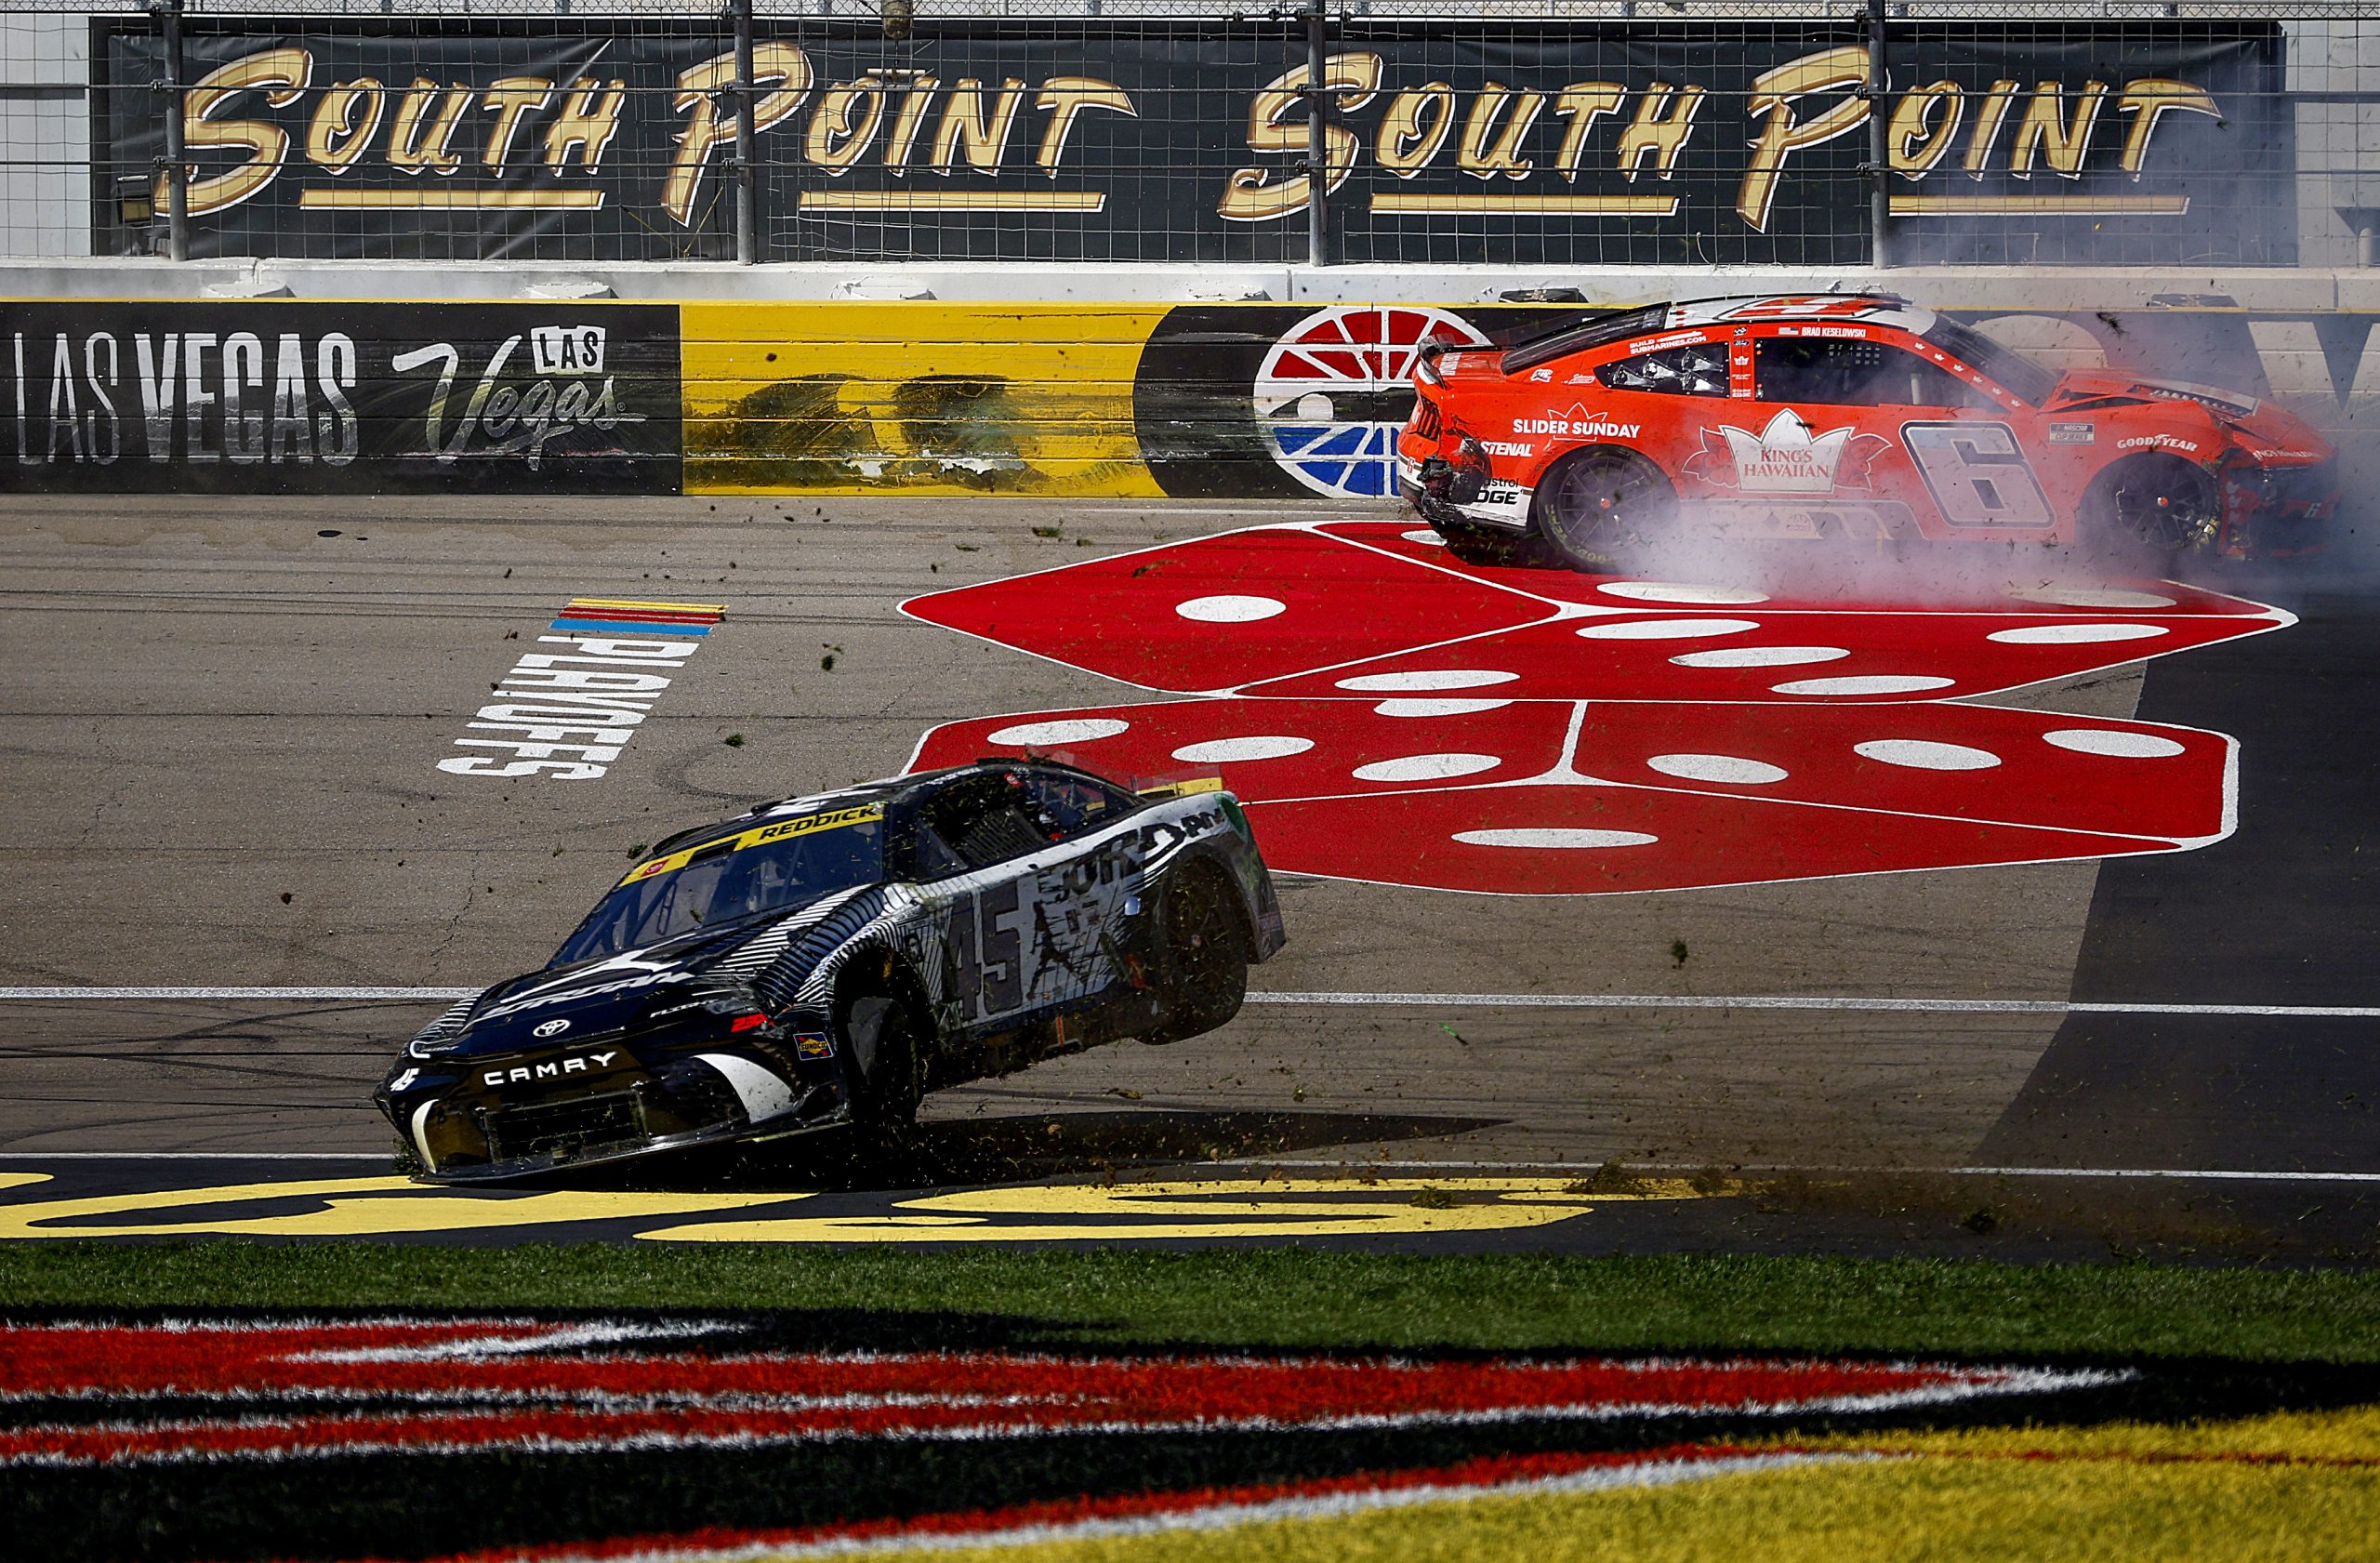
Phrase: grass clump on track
(1293, 1297)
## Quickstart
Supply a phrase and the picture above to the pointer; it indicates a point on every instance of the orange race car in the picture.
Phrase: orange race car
(1838, 415)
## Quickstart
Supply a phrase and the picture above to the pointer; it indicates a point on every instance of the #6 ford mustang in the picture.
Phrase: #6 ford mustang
(1839, 414)
(825, 960)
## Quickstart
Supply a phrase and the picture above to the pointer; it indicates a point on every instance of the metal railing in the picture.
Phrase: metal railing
(1603, 132)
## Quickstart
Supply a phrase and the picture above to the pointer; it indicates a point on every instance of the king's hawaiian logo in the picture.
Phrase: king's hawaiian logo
(1787, 457)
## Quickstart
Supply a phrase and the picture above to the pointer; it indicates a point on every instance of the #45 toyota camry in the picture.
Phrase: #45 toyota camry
(1839, 414)
(825, 960)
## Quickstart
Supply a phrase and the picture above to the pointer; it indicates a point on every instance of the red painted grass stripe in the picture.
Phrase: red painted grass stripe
(478, 1384)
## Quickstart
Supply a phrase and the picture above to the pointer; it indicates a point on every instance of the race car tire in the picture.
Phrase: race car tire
(1206, 955)
(877, 1027)
(2150, 510)
(1599, 506)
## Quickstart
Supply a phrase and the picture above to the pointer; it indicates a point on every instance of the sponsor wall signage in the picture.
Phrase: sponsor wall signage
(1646, 142)
(265, 397)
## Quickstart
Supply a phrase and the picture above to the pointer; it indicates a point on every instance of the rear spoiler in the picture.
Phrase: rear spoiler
(1183, 788)
(1586, 330)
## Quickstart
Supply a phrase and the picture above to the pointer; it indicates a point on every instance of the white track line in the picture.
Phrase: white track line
(2184, 1175)
(1542, 1169)
(1851, 1003)
(1824, 1002)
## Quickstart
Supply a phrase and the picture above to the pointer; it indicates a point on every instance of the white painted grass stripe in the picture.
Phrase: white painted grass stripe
(1838, 1001)
(1231, 1516)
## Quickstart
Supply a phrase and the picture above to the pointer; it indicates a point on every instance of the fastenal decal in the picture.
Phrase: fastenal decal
(569, 713)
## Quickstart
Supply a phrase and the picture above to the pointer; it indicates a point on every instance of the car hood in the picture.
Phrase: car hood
(2268, 430)
(555, 1008)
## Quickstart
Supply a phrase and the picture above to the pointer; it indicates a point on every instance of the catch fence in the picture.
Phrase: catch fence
(1598, 133)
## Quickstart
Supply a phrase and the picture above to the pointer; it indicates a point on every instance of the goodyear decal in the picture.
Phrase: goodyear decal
(775, 831)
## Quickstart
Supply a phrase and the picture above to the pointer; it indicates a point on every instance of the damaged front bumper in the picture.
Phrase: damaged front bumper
(491, 1118)
(1449, 493)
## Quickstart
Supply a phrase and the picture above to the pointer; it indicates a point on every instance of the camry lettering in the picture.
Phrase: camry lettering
(551, 1069)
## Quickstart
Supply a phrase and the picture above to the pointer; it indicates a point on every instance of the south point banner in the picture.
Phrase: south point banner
(2138, 141)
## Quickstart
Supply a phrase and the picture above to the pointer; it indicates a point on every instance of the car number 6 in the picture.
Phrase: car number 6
(1979, 474)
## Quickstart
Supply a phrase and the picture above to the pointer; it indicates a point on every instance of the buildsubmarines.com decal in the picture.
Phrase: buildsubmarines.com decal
(271, 396)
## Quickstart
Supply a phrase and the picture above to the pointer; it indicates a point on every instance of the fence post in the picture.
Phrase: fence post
(175, 89)
(1879, 200)
(747, 173)
(1318, 171)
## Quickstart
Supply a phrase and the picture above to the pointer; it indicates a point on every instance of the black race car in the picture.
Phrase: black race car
(825, 960)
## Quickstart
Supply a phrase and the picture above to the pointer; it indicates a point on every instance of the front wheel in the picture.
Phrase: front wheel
(881, 1037)
(1599, 508)
(2151, 510)
(1207, 956)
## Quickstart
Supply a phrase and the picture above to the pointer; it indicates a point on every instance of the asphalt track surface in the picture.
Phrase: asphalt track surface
(223, 722)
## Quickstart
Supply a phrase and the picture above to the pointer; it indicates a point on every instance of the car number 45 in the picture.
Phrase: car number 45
(1978, 475)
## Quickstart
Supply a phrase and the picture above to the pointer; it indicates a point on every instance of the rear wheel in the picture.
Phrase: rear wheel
(880, 1035)
(2151, 510)
(1207, 955)
(1600, 507)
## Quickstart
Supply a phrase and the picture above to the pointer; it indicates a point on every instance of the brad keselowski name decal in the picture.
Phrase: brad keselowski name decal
(567, 713)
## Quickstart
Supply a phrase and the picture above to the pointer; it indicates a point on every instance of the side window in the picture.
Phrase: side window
(933, 857)
(1070, 805)
(983, 821)
(1855, 374)
(1688, 371)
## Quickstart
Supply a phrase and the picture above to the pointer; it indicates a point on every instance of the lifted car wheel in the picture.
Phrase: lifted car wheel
(880, 1035)
(2151, 510)
(1597, 507)
(1207, 977)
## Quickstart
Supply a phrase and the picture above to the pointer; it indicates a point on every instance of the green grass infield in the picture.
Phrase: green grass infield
(1291, 1297)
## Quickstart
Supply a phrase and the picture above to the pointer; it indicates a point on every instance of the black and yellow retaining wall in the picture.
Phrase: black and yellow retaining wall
(1245, 401)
